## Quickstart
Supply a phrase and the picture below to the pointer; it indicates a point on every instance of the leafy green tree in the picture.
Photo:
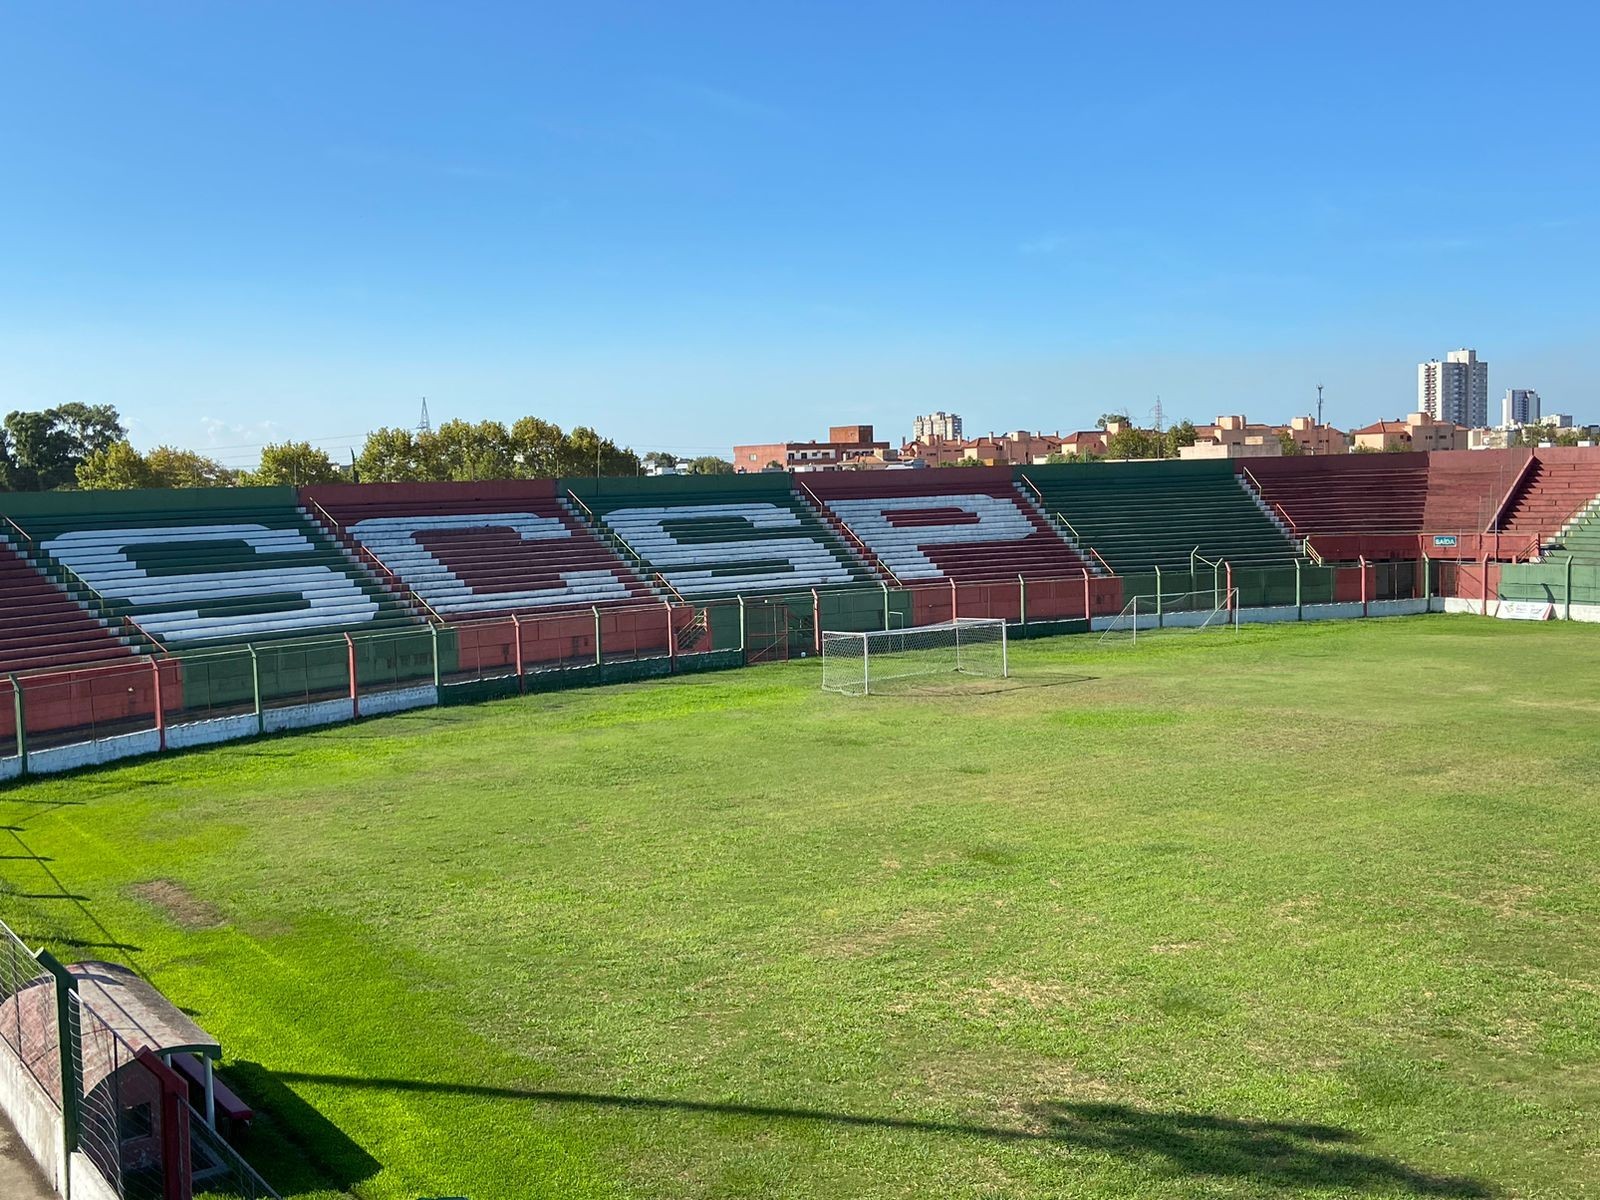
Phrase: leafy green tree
(661, 459)
(1057, 460)
(295, 463)
(462, 450)
(119, 467)
(1176, 438)
(710, 464)
(1131, 442)
(1108, 418)
(41, 451)
(389, 456)
(174, 468)
(1291, 448)
(538, 446)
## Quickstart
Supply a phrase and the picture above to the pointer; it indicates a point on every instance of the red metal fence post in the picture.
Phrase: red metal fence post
(952, 599)
(355, 698)
(1229, 580)
(161, 708)
(1088, 606)
(672, 640)
(1362, 564)
(1485, 565)
(516, 633)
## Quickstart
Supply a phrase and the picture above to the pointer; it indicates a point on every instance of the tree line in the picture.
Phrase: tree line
(86, 446)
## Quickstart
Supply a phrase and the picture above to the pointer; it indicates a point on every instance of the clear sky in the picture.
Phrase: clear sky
(695, 224)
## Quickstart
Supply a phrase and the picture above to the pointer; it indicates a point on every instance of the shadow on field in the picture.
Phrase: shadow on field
(1281, 1154)
(296, 1147)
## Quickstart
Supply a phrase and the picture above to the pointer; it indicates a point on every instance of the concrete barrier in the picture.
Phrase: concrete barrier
(91, 754)
(35, 1117)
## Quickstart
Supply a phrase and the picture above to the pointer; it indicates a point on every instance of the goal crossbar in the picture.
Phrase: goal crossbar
(860, 663)
(1208, 608)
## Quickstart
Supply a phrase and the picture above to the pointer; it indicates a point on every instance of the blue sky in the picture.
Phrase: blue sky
(695, 224)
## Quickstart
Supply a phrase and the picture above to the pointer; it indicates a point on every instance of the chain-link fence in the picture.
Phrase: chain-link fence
(120, 1110)
(28, 1017)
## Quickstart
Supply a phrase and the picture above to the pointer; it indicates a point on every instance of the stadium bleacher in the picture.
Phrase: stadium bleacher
(482, 549)
(1345, 493)
(207, 567)
(1552, 491)
(1144, 515)
(718, 535)
(42, 626)
(970, 524)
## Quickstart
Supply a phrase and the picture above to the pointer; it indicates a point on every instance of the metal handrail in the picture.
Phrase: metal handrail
(1261, 494)
(640, 563)
(871, 557)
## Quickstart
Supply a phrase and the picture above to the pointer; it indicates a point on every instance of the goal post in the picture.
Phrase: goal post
(858, 664)
(1182, 612)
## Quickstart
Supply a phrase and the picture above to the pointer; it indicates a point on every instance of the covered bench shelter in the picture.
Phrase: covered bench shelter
(145, 1019)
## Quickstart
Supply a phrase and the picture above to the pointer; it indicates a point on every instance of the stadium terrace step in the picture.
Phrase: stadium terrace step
(1549, 496)
(42, 626)
(965, 524)
(208, 567)
(474, 550)
(722, 535)
(1344, 494)
(1139, 516)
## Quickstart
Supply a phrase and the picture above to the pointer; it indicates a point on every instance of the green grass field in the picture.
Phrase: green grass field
(1305, 911)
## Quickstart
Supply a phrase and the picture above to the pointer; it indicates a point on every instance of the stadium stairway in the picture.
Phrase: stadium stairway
(475, 550)
(208, 567)
(971, 525)
(1466, 488)
(1138, 516)
(1549, 496)
(711, 536)
(1344, 493)
(1580, 536)
(44, 625)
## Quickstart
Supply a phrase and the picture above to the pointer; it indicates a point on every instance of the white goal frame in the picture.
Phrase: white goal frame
(857, 664)
(1182, 612)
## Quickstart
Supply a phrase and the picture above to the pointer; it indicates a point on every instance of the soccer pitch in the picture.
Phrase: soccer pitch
(1306, 911)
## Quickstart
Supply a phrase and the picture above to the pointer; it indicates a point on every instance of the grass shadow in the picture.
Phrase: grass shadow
(1278, 1154)
(293, 1145)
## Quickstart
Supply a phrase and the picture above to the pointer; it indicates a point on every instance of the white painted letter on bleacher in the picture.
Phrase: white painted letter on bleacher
(101, 558)
(451, 589)
(698, 568)
(972, 519)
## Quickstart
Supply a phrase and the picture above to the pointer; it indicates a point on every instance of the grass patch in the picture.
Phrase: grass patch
(1297, 911)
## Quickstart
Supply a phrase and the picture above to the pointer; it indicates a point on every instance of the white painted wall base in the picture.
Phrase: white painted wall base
(304, 716)
(90, 754)
(399, 700)
(208, 733)
(37, 1120)
(11, 767)
(87, 1182)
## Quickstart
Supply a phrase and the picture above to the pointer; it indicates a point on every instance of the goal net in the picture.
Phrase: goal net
(858, 664)
(1181, 612)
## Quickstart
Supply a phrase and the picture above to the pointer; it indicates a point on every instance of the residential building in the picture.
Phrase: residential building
(1233, 436)
(936, 425)
(1417, 431)
(847, 446)
(1455, 390)
(1520, 407)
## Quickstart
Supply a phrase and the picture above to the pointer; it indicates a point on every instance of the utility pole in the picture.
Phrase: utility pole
(1161, 447)
(1319, 404)
(424, 425)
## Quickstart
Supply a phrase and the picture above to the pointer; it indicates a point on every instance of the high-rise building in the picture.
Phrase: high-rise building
(1456, 389)
(936, 425)
(1520, 407)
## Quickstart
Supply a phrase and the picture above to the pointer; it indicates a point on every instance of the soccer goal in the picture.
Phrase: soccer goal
(858, 664)
(1181, 612)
